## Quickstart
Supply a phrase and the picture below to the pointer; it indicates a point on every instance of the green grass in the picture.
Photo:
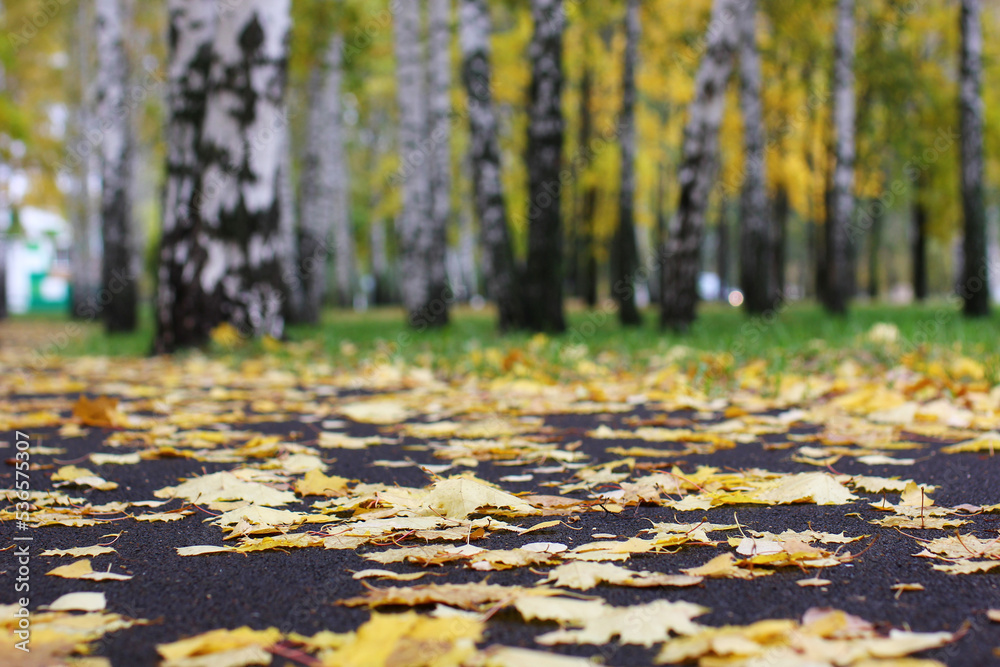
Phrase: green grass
(801, 334)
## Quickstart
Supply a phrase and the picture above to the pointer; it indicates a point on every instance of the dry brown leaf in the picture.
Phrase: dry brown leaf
(102, 412)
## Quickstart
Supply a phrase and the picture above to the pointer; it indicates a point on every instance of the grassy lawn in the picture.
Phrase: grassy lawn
(800, 336)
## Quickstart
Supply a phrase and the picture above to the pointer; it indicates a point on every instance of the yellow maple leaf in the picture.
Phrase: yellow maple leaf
(458, 497)
(78, 552)
(463, 596)
(74, 476)
(221, 648)
(409, 639)
(584, 576)
(81, 569)
(594, 622)
(315, 483)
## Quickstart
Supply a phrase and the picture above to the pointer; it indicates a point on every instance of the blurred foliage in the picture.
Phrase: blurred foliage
(907, 60)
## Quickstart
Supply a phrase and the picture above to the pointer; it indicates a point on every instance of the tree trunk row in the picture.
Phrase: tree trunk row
(682, 255)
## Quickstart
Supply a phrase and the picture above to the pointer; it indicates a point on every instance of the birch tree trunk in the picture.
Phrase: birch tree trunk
(499, 268)
(543, 277)
(975, 288)
(722, 251)
(756, 236)
(467, 251)
(119, 271)
(325, 214)
(384, 290)
(439, 119)
(838, 281)
(183, 305)
(588, 198)
(344, 248)
(782, 210)
(85, 268)
(699, 164)
(315, 202)
(425, 307)
(919, 261)
(240, 165)
(288, 225)
(625, 257)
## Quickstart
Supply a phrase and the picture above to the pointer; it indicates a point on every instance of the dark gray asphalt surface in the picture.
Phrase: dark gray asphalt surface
(298, 590)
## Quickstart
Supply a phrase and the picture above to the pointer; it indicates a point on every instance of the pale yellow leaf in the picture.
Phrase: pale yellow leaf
(201, 550)
(81, 569)
(79, 602)
(458, 497)
(79, 552)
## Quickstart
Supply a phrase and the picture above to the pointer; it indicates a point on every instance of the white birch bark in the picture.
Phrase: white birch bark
(344, 248)
(291, 271)
(85, 260)
(182, 304)
(119, 270)
(682, 255)
(325, 203)
(439, 111)
(499, 269)
(842, 200)
(416, 236)
(975, 276)
(241, 149)
(315, 201)
(467, 252)
(756, 236)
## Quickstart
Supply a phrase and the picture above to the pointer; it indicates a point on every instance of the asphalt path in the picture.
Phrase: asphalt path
(298, 589)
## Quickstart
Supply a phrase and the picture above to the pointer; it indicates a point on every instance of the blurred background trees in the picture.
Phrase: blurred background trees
(257, 162)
